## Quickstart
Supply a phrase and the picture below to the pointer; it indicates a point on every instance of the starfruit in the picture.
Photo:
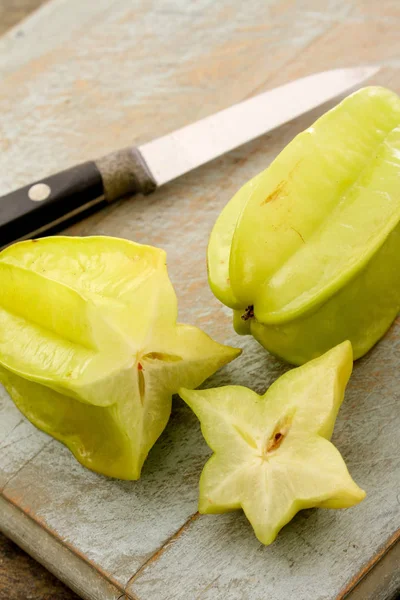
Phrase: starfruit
(272, 454)
(307, 254)
(90, 350)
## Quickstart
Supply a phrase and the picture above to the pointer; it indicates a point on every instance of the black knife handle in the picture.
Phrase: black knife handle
(34, 209)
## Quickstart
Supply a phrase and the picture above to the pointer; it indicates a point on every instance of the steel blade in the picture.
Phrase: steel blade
(185, 149)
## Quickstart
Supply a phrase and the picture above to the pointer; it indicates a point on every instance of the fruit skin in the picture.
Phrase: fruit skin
(90, 350)
(309, 292)
(374, 295)
(272, 455)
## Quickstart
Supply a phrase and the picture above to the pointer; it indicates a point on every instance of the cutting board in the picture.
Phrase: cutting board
(82, 78)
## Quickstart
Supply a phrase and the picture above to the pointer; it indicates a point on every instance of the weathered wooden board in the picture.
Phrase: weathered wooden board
(80, 79)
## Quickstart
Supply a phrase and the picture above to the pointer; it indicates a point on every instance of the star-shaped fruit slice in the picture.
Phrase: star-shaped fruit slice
(90, 348)
(272, 454)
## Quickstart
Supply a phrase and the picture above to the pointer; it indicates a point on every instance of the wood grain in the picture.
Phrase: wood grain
(20, 576)
(99, 76)
(13, 11)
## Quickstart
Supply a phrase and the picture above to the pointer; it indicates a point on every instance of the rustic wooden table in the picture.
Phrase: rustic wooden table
(350, 32)
(21, 577)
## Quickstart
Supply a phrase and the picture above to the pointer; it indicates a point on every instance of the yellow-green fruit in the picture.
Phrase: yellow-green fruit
(90, 350)
(272, 454)
(307, 253)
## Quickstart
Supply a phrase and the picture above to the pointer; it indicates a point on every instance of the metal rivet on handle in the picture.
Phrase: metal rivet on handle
(39, 192)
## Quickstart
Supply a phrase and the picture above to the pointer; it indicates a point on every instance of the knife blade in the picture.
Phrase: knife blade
(52, 201)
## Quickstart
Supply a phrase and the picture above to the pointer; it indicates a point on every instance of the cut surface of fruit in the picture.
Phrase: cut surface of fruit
(307, 226)
(90, 349)
(272, 454)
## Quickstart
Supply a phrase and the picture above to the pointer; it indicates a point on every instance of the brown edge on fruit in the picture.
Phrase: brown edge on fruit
(356, 580)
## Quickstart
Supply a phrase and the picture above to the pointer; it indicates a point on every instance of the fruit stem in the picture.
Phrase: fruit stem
(248, 313)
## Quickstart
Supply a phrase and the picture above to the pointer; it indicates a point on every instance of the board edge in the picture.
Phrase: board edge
(78, 574)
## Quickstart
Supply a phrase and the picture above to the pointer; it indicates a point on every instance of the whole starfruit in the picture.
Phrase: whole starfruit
(307, 254)
(90, 350)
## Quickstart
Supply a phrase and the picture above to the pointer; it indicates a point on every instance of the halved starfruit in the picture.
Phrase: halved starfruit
(272, 454)
(307, 254)
(90, 350)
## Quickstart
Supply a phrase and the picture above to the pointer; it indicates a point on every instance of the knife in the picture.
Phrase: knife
(32, 210)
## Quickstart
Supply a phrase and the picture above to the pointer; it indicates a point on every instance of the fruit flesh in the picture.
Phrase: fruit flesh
(90, 349)
(315, 218)
(272, 455)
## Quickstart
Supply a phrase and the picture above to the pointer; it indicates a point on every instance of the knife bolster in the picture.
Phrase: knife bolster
(125, 173)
